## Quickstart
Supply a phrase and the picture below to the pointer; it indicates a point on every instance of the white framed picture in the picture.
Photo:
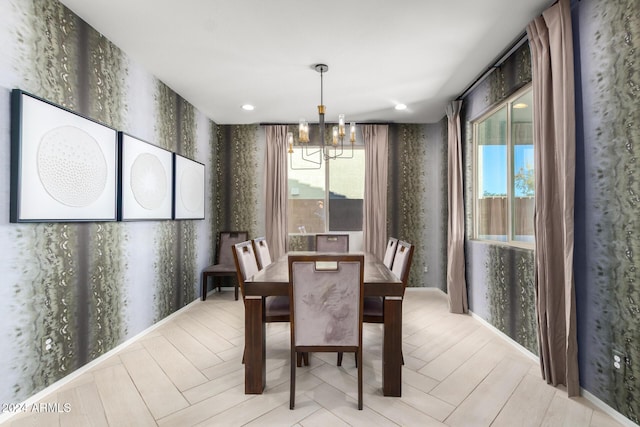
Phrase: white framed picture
(188, 193)
(64, 167)
(146, 180)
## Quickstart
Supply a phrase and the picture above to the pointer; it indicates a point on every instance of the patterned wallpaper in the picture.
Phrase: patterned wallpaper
(83, 288)
(607, 200)
(238, 169)
(500, 283)
(417, 198)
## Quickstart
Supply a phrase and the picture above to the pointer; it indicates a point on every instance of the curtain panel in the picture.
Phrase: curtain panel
(275, 189)
(374, 226)
(456, 280)
(550, 38)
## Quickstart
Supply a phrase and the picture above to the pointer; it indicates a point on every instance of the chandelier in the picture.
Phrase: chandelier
(323, 150)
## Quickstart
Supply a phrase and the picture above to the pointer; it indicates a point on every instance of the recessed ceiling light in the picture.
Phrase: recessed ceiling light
(401, 107)
(520, 105)
(248, 107)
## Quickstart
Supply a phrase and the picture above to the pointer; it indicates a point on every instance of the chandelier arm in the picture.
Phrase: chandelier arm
(306, 152)
(350, 156)
(342, 147)
(317, 163)
(339, 155)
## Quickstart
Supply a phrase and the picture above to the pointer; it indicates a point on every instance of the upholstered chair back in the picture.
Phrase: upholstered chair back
(226, 240)
(332, 243)
(261, 249)
(390, 252)
(245, 261)
(327, 301)
(402, 261)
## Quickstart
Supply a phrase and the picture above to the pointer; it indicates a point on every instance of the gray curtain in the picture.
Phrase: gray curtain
(376, 152)
(456, 281)
(550, 38)
(275, 190)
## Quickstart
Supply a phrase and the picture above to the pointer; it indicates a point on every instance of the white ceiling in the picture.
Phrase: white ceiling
(221, 54)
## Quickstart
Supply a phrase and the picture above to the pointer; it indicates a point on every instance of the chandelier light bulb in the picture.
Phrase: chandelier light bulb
(290, 141)
(303, 132)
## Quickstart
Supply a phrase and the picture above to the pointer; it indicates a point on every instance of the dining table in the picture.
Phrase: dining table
(273, 280)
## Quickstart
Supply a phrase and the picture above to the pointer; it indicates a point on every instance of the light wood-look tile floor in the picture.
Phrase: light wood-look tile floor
(188, 372)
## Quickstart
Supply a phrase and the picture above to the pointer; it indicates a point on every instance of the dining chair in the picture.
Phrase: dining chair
(276, 308)
(261, 248)
(246, 265)
(326, 294)
(224, 261)
(373, 308)
(332, 243)
(390, 252)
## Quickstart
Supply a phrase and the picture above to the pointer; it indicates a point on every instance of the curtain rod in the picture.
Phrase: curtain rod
(520, 40)
(326, 123)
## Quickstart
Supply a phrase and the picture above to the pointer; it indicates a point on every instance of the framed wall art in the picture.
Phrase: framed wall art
(188, 187)
(146, 180)
(64, 167)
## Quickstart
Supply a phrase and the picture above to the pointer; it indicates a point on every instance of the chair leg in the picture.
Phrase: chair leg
(340, 359)
(235, 288)
(302, 359)
(292, 383)
(359, 364)
(203, 287)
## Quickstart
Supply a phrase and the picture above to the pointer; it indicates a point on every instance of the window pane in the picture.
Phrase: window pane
(491, 177)
(523, 180)
(306, 197)
(346, 192)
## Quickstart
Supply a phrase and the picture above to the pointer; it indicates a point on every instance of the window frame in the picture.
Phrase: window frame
(327, 174)
(508, 103)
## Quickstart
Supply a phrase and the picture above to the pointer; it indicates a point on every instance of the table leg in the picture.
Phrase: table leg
(254, 346)
(392, 347)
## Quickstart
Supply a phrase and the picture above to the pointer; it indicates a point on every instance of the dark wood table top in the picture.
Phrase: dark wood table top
(274, 278)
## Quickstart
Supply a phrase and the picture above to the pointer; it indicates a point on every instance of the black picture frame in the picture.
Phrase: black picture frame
(64, 166)
(146, 180)
(188, 188)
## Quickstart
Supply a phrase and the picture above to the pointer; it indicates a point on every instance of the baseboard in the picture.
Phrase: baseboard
(584, 393)
(85, 368)
(607, 409)
(506, 337)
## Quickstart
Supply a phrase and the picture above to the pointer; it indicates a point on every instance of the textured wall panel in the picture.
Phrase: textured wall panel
(608, 200)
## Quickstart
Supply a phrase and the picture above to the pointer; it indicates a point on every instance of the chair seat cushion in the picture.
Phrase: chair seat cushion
(277, 306)
(373, 307)
(220, 269)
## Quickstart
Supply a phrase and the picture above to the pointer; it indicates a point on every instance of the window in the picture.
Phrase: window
(503, 172)
(313, 209)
